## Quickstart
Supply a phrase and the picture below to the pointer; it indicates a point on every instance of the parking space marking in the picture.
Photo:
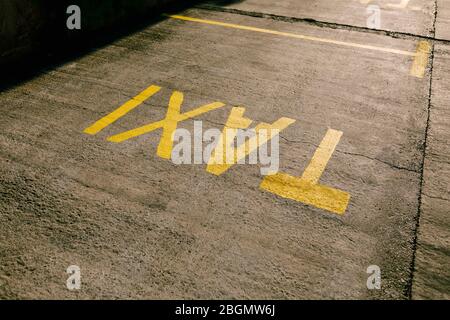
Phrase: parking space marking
(307, 188)
(421, 60)
(122, 110)
(420, 56)
(294, 35)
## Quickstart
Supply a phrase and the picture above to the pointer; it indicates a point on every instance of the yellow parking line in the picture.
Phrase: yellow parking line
(421, 60)
(294, 35)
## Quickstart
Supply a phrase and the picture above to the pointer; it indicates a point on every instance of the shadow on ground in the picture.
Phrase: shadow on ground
(53, 46)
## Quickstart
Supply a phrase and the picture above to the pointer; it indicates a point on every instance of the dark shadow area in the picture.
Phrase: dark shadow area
(55, 45)
(223, 2)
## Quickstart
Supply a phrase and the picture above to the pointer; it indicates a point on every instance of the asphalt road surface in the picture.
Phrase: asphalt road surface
(364, 161)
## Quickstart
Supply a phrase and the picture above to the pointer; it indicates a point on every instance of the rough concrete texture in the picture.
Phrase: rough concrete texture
(432, 275)
(443, 20)
(142, 227)
(415, 18)
(18, 19)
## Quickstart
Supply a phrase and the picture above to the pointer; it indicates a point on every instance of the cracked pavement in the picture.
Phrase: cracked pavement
(141, 227)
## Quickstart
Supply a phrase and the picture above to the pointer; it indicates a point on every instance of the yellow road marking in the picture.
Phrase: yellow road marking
(122, 110)
(421, 60)
(223, 153)
(160, 124)
(322, 156)
(169, 124)
(293, 35)
(225, 156)
(316, 195)
(306, 189)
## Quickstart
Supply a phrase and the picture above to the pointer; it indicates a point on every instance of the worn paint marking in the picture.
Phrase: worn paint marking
(421, 60)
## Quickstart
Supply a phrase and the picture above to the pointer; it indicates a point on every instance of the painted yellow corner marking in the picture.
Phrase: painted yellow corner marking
(421, 60)
(307, 188)
(294, 35)
(122, 110)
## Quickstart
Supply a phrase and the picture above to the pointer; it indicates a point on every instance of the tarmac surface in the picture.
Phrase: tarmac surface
(364, 159)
